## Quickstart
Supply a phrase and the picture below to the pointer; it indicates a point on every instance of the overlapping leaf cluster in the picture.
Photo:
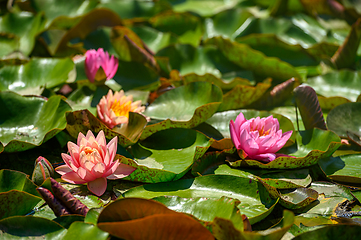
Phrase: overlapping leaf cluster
(195, 65)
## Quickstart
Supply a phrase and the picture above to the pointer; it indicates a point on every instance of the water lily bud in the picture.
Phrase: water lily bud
(42, 170)
(99, 66)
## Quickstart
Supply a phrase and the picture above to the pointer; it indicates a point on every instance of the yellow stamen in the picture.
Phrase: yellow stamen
(121, 109)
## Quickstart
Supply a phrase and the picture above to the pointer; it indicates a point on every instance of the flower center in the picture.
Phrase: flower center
(121, 109)
(261, 132)
(92, 154)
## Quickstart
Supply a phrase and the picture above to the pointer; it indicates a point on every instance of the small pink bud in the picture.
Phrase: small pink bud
(99, 66)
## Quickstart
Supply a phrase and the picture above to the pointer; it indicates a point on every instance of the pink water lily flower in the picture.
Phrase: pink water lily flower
(94, 60)
(113, 109)
(259, 138)
(91, 161)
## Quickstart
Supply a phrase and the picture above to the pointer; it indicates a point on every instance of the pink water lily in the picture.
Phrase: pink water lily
(258, 138)
(91, 161)
(113, 109)
(97, 61)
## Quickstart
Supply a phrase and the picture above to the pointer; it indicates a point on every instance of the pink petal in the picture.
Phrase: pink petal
(69, 161)
(101, 138)
(112, 147)
(122, 171)
(234, 135)
(64, 169)
(281, 142)
(72, 177)
(85, 175)
(250, 147)
(98, 186)
(80, 137)
(265, 157)
(98, 170)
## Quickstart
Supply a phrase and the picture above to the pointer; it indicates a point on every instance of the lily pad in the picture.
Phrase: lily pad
(29, 226)
(128, 134)
(183, 107)
(343, 83)
(24, 25)
(37, 74)
(223, 207)
(85, 231)
(345, 119)
(344, 169)
(166, 155)
(312, 145)
(257, 62)
(256, 202)
(27, 122)
(124, 217)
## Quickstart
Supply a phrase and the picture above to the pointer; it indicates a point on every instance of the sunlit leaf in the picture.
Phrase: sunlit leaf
(37, 74)
(27, 122)
(256, 203)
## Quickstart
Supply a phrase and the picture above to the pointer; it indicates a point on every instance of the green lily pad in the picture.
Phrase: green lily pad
(37, 74)
(27, 122)
(241, 96)
(25, 25)
(345, 119)
(128, 134)
(257, 62)
(20, 227)
(16, 202)
(312, 145)
(166, 155)
(14, 180)
(332, 190)
(345, 169)
(224, 232)
(223, 207)
(85, 231)
(297, 198)
(288, 179)
(331, 232)
(256, 203)
(204, 8)
(201, 60)
(183, 107)
(57, 12)
(135, 9)
(343, 83)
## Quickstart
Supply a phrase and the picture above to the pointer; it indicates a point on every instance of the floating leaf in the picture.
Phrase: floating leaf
(241, 96)
(85, 231)
(345, 119)
(344, 169)
(27, 122)
(346, 54)
(16, 202)
(37, 74)
(256, 203)
(331, 232)
(253, 60)
(124, 218)
(225, 208)
(24, 25)
(183, 107)
(166, 155)
(222, 231)
(128, 134)
(343, 83)
(312, 145)
(307, 103)
(30, 226)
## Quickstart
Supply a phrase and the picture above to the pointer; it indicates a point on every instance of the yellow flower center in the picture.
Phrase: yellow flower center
(121, 109)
